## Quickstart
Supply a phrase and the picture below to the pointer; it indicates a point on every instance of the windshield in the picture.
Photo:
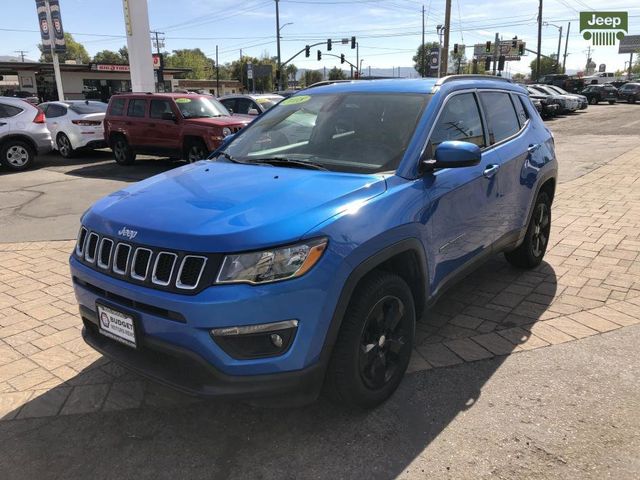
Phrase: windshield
(348, 132)
(88, 107)
(200, 107)
(268, 102)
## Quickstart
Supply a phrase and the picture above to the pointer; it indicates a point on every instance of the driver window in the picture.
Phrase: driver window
(459, 120)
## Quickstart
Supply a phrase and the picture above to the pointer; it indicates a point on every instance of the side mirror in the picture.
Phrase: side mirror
(454, 154)
(230, 110)
(169, 116)
(253, 111)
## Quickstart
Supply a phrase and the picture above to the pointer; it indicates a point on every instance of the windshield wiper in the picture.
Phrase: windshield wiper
(229, 157)
(282, 161)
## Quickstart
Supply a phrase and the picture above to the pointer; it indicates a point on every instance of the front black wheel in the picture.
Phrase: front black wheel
(531, 252)
(374, 345)
(632, 99)
(612, 102)
(122, 151)
(195, 150)
(593, 101)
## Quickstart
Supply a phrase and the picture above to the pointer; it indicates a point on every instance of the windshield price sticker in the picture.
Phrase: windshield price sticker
(296, 100)
(183, 100)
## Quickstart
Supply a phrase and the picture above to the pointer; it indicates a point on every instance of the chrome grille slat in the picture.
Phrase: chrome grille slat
(108, 244)
(139, 261)
(91, 247)
(156, 277)
(182, 273)
(117, 263)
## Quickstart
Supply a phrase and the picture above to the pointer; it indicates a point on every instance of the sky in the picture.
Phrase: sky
(388, 32)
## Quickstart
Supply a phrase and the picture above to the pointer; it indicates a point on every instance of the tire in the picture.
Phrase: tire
(593, 101)
(371, 356)
(17, 155)
(122, 152)
(195, 150)
(64, 146)
(612, 102)
(631, 100)
(531, 252)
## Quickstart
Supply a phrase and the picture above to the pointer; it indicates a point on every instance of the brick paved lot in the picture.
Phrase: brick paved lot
(589, 284)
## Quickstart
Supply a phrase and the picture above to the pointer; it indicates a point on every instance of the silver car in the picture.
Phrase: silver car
(23, 133)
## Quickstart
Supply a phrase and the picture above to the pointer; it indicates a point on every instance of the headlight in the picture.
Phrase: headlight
(272, 265)
(226, 131)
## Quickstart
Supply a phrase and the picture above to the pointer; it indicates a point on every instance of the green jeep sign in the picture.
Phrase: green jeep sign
(604, 28)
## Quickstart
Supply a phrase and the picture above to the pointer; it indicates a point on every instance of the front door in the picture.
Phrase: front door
(462, 215)
(162, 133)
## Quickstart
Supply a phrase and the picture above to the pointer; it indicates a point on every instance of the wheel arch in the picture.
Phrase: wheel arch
(23, 138)
(406, 258)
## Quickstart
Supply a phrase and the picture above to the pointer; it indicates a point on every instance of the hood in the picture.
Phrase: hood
(224, 207)
(224, 121)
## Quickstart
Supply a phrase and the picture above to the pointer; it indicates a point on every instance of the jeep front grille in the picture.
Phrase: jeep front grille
(180, 272)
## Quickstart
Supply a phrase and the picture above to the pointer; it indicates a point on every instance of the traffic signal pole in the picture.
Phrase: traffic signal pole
(539, 41)
(496, 49)
(444, 61)
(566, 45)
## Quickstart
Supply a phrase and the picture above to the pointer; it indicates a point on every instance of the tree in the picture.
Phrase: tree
(124, 53)
(457, 62)
(75, 51)
(311, 77)
(547, 65)
(518, 77)
(291, 71)
(201, 66)
(238, 70)
(109, 56)
(337, 74)
(417, 58)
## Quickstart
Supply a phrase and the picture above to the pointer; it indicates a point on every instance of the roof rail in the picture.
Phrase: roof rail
(453, 78)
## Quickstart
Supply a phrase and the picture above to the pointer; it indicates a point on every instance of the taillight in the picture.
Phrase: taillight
(39, 117)
(86, 123)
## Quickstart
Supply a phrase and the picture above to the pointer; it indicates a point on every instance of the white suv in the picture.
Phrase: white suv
(23, 133)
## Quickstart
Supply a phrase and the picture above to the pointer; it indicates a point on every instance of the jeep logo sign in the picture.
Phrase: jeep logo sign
(604, 28)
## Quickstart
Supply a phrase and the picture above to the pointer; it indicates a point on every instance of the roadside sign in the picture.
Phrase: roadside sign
(510, 49)
(602, 67)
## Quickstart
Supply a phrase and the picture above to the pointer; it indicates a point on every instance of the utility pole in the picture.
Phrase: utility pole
(496, 49)
(241, 74)
(278, 43)
(358, 58)
(21, 52)
(539, 40)
(444, 61)
(630, 66)
(566, 45)
(159, 43)
(558, 54)
(54, 55)
(217, 74)
(422, 50)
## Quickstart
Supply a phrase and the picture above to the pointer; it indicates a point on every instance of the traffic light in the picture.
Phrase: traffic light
(487, 63)
(328, 44)
(488, 49)
(353, 42)
(455, 48)
(501, 60)
(514, 42)
(319, 55)
(307, 51)
(521, 49)
(342, 58)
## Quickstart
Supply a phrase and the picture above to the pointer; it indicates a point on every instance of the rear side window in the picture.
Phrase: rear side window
(117, 107)
(502, 121)
(137, 108)
(55, 111)
(521, 109)
(229, 104)
(8, 111)
(459, 120)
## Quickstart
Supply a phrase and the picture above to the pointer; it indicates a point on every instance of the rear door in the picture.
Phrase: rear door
(135, 122)
(460, 219)
(507, 122)
(7, 112)
(54, 117)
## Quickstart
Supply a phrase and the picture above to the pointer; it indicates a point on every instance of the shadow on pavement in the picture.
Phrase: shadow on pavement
(169, 437)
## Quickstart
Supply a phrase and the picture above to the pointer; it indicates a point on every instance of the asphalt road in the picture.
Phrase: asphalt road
(46, 203)
(568, 411)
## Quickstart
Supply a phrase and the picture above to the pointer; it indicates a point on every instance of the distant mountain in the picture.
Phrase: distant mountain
(11, 58)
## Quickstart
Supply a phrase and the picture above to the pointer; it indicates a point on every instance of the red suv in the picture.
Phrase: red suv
(176, 125)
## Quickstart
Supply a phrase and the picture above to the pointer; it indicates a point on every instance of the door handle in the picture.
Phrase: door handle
(490, 171)
(533, 148)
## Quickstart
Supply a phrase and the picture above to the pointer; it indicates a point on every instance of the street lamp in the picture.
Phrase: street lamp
(559, 27)
(279, 73)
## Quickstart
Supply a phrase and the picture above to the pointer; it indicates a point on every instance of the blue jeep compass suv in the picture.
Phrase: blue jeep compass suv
(301, 254)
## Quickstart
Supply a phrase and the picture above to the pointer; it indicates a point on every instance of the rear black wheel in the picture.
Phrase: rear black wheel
(593, 101)
(374, 345)
(64, 146)
(122, 151)
(632, 99)
(612, 102)
(531, 252)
